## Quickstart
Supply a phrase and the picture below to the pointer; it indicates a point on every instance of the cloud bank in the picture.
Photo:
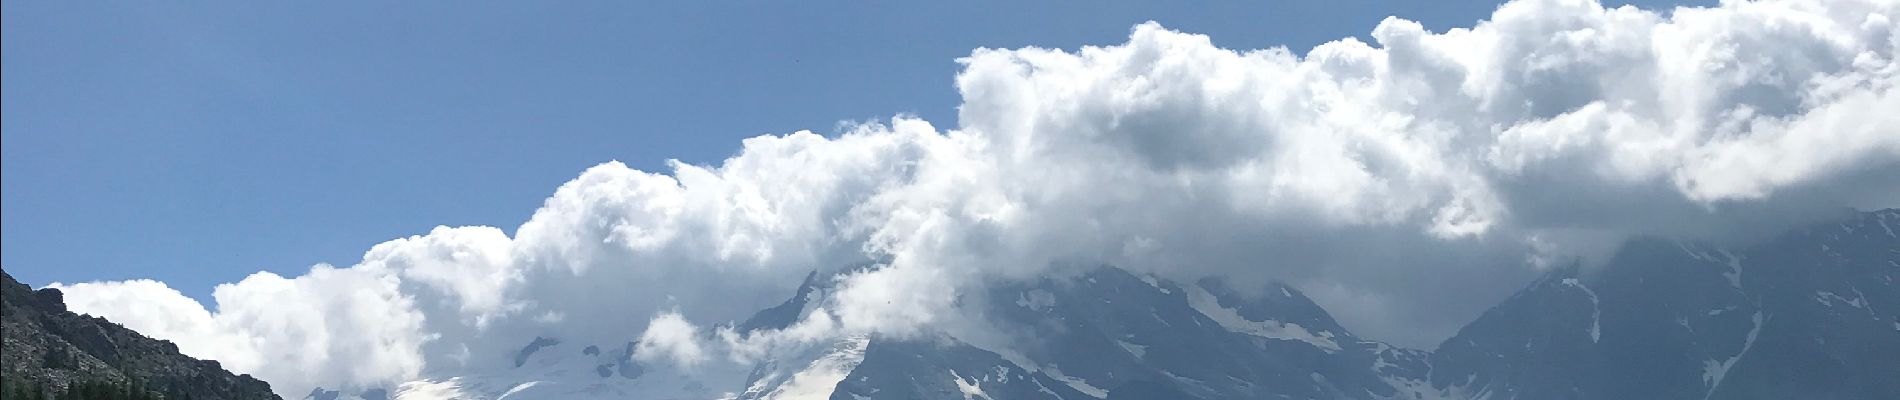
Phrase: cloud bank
(1406, 184)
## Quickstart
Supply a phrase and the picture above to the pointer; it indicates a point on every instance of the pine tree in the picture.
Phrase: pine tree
(15, 388)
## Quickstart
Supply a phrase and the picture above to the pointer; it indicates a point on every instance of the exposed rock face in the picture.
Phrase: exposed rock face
(1807, 315)
(46, 343)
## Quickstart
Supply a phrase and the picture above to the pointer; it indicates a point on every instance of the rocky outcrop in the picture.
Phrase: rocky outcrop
(48, 345)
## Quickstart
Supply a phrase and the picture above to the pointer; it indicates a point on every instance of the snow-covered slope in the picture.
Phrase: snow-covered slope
(1111, 329)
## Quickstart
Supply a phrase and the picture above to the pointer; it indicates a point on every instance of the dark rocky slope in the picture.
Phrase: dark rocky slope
(50, 346)
(1808, 315)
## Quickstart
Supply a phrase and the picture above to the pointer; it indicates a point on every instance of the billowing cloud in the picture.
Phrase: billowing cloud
(669, 337)
(330, 325)
(1405, 183)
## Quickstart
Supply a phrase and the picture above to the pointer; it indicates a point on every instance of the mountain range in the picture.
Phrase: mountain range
(1813, 314)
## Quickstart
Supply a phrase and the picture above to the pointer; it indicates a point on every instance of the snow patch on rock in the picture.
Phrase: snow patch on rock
(1228, 318)
(1596, 310)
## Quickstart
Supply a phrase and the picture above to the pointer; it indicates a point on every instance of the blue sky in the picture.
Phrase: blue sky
(198, 143)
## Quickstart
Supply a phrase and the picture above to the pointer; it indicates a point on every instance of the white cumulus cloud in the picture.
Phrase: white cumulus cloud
(1405, 183)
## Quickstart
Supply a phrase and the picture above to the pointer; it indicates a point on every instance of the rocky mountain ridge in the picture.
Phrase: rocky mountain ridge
(52, 347)
(1814, 313)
